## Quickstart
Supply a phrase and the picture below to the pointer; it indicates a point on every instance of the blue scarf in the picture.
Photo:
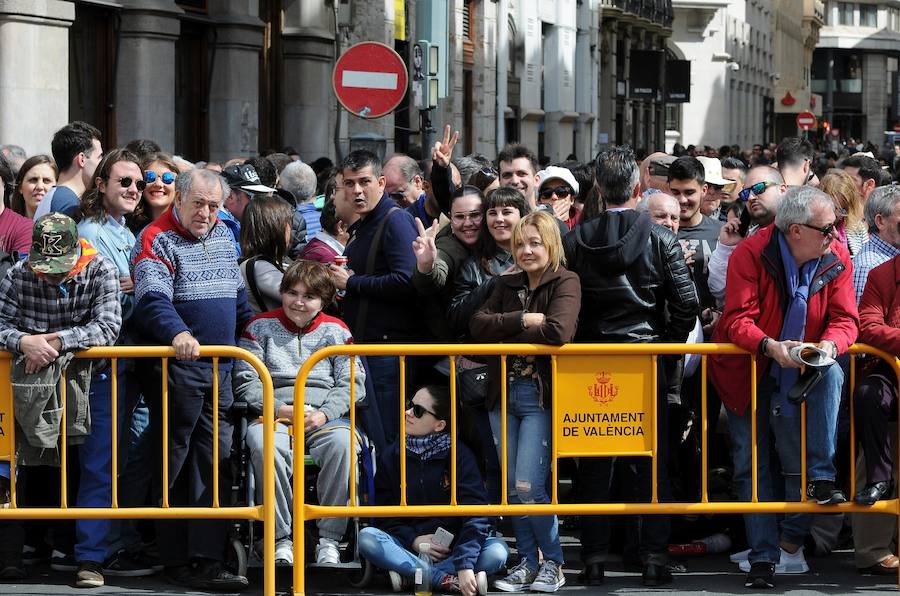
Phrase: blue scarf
(429, 446)
(797, 281)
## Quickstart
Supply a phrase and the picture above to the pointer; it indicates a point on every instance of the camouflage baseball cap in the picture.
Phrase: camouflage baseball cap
(54, 244)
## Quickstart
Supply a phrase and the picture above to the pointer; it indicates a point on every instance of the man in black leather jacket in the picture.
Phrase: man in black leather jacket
(636, 288)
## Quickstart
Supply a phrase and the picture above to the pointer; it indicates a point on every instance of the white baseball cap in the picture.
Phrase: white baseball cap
(563, 174)
(713, 169)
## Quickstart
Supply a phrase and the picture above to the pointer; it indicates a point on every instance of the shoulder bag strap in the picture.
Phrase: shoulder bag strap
(361, 319)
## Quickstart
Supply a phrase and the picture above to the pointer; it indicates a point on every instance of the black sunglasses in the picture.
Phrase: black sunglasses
(757, 189)
(419, 411)
(127, 181)
(826, 231)
(151, 176)
(560, 191)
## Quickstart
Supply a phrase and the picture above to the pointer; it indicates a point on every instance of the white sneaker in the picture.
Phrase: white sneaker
(327, 553)
(398, 582)
(550, 577)
(789, 564)
(481, 580)
(284, 552)
(740, 556)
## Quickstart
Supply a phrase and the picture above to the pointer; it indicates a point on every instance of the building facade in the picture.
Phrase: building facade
(855, 68)
(215, 79)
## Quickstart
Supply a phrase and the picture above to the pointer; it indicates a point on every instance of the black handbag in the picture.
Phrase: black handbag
(472, 386)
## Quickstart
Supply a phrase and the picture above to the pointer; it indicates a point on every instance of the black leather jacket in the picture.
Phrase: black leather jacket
(635, 285)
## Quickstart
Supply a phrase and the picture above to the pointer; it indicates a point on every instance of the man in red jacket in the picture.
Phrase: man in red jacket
(876, 396)
(876, 403)
(788, 283)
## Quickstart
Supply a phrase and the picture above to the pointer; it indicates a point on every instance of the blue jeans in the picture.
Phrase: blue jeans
(821, 431)
(95, 461)
(528, 469)
(386, 552)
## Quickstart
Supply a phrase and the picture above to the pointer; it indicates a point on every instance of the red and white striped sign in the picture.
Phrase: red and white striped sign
(370, 79)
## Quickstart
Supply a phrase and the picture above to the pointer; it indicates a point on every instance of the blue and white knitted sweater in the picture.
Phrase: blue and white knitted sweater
(184, 283)
(283, 347)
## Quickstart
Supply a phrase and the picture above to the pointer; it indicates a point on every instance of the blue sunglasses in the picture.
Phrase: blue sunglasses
(167, 178)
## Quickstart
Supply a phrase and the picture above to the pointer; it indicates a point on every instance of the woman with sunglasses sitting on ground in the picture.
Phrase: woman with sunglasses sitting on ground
(538, 304)
(462, 566)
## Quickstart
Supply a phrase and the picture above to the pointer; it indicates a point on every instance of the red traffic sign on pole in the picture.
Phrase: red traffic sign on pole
(370, 79)
(806, 120)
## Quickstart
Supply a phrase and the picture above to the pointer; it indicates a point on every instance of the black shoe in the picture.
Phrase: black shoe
(761, 576)
(873, 493)
(593, 574)
(180, 575)
(210, 575)
(656, 575)
(825, 493)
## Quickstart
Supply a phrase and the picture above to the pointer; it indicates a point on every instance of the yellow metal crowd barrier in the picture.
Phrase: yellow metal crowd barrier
(264, 512)
(590, 371)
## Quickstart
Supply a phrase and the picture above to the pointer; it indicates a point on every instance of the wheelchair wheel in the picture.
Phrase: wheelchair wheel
(236, 557)
(362, 577)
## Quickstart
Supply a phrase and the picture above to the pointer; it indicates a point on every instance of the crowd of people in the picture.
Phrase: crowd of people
(768, 248)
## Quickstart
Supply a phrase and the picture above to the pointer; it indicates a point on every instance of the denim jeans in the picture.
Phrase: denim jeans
(386, 552)
(95, 461)
(821, 430)
(528, 468)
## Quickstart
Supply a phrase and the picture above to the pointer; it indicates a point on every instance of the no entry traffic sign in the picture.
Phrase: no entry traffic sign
(370, 79)
(806, 120)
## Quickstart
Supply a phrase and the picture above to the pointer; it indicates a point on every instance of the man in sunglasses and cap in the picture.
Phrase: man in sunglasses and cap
(557, 190)
(789, 283)
(763, 190)
(63, 298)
(244, 182)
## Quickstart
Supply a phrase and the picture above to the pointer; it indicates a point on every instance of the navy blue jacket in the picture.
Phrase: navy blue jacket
(389, 290)
(428, 483)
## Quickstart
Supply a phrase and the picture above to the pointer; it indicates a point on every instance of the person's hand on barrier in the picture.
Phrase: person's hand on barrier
(533, 319)
(126, 285)
(467, 583)
(423, 246)
(443, 150)
(780, 352)
(313, 419)
(186, 346)
(438, 552)
(339, 276)
(38, 351)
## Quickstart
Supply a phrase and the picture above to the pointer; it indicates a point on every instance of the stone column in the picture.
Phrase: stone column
(234, 93)
(308, 101)
(34, 73)
(875, 96)
(146, 71)
(559, 82)
(607, 90)
(530, 100)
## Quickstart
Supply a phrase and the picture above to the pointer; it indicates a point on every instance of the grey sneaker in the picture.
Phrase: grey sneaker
(519, 578)
(549, 578)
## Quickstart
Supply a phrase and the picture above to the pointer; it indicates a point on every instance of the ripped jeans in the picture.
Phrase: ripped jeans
(528, 469)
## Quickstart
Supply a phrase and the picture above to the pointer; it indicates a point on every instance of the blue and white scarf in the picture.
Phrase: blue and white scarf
(429, 446)
(797, 281)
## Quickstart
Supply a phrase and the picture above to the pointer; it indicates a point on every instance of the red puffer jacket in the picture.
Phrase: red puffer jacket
(755, 303)
(879, 308)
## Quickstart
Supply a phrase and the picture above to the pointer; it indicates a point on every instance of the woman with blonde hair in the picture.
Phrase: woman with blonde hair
(538, 304)
(848, 203)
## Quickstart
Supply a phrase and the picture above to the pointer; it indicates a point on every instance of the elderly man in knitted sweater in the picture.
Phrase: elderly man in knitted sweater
(189, 291)
(283, 339)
